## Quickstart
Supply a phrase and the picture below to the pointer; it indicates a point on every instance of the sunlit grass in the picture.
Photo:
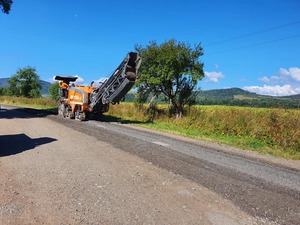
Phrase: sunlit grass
(38, 103)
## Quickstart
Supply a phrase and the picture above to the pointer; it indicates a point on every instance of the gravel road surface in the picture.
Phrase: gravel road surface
(59, 171)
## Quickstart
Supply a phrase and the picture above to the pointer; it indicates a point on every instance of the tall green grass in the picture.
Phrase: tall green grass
(39, 103)
(268, 131)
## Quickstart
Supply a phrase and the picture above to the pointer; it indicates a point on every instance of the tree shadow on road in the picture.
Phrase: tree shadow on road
(24, 113)
(17, 143)
(115, 119)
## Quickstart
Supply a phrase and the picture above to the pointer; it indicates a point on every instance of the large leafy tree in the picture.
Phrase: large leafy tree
(172, 68)
(25, 83)
(53, 90)
(5, 5)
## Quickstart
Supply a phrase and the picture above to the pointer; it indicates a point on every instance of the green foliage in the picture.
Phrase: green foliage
(140, 97)
(172, 68)
(187, 96)
(5, 5)
(4, 91)
(39, 103)
(53, 90)
(25, 83)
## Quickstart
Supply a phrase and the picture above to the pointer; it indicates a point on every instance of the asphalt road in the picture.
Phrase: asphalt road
(265, 189)
(261, 189)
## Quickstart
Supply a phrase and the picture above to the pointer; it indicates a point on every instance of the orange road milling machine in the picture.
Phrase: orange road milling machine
(79, 102)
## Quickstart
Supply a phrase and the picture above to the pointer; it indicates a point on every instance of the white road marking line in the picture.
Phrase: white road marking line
(101, 126)
(160, 143)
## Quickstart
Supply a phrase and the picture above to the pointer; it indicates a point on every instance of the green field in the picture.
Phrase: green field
(269, 131)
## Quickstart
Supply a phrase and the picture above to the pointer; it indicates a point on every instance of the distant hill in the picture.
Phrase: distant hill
(292, 96)
(238, 93)
(237, 97)
(45, 87)
(44, 90)
(240, 97)
(3, 82)
(230, 93)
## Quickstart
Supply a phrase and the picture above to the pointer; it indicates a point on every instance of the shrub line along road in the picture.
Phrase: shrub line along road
(143, 177)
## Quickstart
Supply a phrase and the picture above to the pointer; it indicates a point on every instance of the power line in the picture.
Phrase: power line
(254, 33)
(248, 46)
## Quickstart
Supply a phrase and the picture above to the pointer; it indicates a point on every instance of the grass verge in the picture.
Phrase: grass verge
(37, 103)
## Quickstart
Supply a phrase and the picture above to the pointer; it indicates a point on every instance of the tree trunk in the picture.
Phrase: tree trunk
(179, 114)
(152, 101)
(176, 109)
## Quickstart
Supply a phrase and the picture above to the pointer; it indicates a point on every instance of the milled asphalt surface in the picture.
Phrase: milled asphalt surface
(277, 175)
(259, 188)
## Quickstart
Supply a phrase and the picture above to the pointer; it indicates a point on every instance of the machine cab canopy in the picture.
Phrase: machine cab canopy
(66, 79)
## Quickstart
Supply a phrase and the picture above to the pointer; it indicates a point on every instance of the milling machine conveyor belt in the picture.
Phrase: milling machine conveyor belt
(119, 83)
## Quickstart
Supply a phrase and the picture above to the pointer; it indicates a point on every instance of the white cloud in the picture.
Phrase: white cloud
(284, 82)
(277, 78)
(283, 71)
(264, 79)
(100, 81)
(52, 80)
(293, 72)
(276, 90)
(79, 81)
(214, 76)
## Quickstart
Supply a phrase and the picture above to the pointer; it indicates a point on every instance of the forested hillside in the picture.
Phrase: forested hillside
(236, 97)
(44, 90)
(239, 97)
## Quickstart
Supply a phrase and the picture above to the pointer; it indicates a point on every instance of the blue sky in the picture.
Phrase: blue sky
(250, 44)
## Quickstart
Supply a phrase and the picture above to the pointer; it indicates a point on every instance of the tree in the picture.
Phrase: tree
(5, 5)
(141, 97)
(172, 68)
(53, 90)
(3, 91)
(25, 83)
